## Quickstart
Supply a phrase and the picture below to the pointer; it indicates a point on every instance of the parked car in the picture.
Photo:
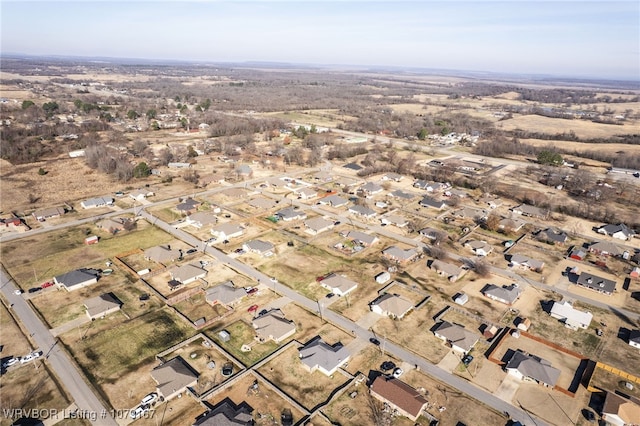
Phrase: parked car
(466, 360)
(11, 361)
(374, 341)
(191, 251)
(387, 366)
(17, 292)
(589, 415)
(35, 289)
(47, 284)
(251, 290)
(397, 372)
(252, 308)
(149, 399)
(239, 251)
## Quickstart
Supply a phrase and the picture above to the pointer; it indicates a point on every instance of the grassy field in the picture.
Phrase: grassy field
(582, 147)
(43, 256)
(582, 128)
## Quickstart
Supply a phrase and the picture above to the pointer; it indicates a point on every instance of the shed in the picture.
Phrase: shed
(91, 240)
(224, 336)
(461, 298)
(490, 331)
(523, 323)
(383, 277)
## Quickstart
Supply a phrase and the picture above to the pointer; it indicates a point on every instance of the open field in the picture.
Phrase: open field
(38, 258)
(242, 333)
(554, 407)
(175, 412)
(266, 403)
(582, 128)
(582, 146)
(607, 380)
(309, 389)
(119, 359)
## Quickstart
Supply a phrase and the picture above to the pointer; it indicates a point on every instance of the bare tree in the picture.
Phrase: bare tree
(482, 268)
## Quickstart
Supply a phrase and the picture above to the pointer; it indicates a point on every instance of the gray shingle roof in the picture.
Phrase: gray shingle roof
(534, 367)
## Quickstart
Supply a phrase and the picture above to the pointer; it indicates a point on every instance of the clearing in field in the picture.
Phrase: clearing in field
(582, 128)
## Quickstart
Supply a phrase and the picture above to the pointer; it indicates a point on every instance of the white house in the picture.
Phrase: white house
(227, 231)
(338, 284)
(391, 305)
(141, 194)
(318, 355)
(93, 203)
(572, 318)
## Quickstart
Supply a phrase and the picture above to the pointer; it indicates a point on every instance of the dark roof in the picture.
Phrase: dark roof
(353, 166)
(399, 394)
(226, 413)
(534, 367)
(597, 283)
(77, 277)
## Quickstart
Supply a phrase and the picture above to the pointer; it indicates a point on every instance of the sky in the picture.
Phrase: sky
(582, 39)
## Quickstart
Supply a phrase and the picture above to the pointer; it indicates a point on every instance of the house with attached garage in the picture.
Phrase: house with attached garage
(188, 206)
(399, 255)
(290, 213)
(333, 201)
(363, 211)
(460, 339)
(320, 356)
(370, 188)
(101, 306)
(162, 254)
(306, 193)
(226, 294)
(512, 225)
(400, 397)
(480, 248)
(596, 283)
(432, 203)
(226, 231)
(93, 203)
(263, 248)
(526, 262)
(391, 305)
(505, 294)
(606, 248)
(531, 368)
(201, 219)
(401, 195)
(338, 284)
(48, 213)
(395, 220)
(317, 225)
(77, 279)
(273, 325)
(432, 233)
(360, 238)
(530, 211)
(392, 176)
(188, 273)
(114, 224)
(174, 377)
(262, 203)
(570, 316)
(553, 235)
(620, 411)
(444, 269)
(141, 194)
(620, 231)
(227, 413)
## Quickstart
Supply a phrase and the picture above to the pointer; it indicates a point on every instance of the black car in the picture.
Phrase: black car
(193, 250)
(286, 417)
(467, 360)
(387, 366)
(589, 415)
(227, 369)
(143, 297)
(374, 341)
(35, 289)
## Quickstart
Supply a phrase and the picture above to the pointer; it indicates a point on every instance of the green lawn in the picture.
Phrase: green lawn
(243, 333)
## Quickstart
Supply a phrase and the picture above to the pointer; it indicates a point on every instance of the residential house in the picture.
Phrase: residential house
(333, 201)
(263, 248)
(399, 396)
(596, 283)
(363, 211)
(174, 377)
(188, 273)
(306, 193)
(141, 194)
(338, 284)
(370, 188)
(553, 235)
(398, 193)
(225, 293)
(391, 305)
(93, 203)
(289, 213)
(226, 231)
(273, 325)
(527, 262)
(201, 219)
(14, 223)
(188, 206)
(262, 203)
(77, 279)
(162, 254)
(394, 219)
(399, 255)
(620, 411)
(176, 165)
(606, 248)
(459, 338)
(48, 213)
(431, 186)
(432, 203)
(475, 215)
(353, 166)
(511, 225)
(571, 317)
(452, 192)
(213, 178)
(392, 176)
(529, 367)
(318, 355)
(490, 200)
(114, 224)
(634, 338)
(620, 231)
(480, 248)
(236, 193)
(505, 294)
(101, 306)
(444, 269)
(318, 225)
(360, 238)
(530, 211)
(431, 233)
(323, 176)
(226, 413)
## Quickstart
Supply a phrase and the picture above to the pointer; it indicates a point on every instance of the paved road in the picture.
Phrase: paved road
(65, 369)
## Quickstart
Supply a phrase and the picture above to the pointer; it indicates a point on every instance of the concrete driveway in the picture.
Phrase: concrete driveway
(508, 388)
(449, 362)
